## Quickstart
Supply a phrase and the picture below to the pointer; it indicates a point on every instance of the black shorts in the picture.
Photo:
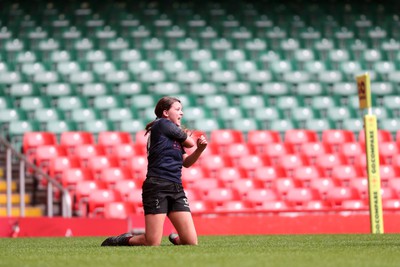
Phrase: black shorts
(161, 196)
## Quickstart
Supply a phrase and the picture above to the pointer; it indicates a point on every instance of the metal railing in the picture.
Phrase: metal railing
(66, 202)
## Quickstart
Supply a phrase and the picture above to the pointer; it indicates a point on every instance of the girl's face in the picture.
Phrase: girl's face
(175, 113)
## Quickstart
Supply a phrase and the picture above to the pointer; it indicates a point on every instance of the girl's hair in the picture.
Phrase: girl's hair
(164, 103)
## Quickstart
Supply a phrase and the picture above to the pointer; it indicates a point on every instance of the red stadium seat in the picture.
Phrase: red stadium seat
(276, 150)
(192, 174)
(361, 185)
(232, 206)
(141, 138)
(345, 173)
(338, 194)
(204, 185)
(256, 197)
(259, 138)
(298, 197)
(126, 151)
(290, 162)
(297, 137)
(336, 137)
(86, 151)
(200, 207)
(72, 139)
(138, 166)
(70, 177)
(355, 205)
(327, 161)
(212, 163)
(229, 174)
(388, 150)
(225, 137)
(266, 175)
(113, 138)
(118, 210)
(388, 193)
(44, 154)
(274, 206)
(125, 186)
(394, 184)
(351, 150)
(236, 150)
(134, 198)
(396, 161)
(284, 184)
(244, 185)
(388, 172)
(312, 150)
(111, 175)
(98, 163)
(98, 198)
(317, 205)
(217, 196)
(32, 140)
(391, 204)
(305, 174)
(323, 185)
(250, 163)
(59, 164)
(81, 193)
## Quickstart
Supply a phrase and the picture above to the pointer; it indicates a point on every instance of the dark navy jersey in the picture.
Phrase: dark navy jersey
(165, 151)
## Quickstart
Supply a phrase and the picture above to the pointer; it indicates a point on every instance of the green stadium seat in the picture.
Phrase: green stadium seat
(69, 103)
(302, 56)
(230, 113)
(310, 89)
(56, 90)
(301, 114)
(101, 68)
(370, 57)
(30, 69)
(383, 68)
(9, 78)
(66, 68)
(131, 126)
(186, 46)
(338, 56)
(340, 113)
(294, 78)
(238, 88)
(323, 48)
(58, 56)
(46, 47)
(353, 124)
(289, 46)
(319, 125)
(106, 102)
(244, 125)
(207, 125)
(17, 129)
(191, 113)
(274, 89)
(128, 89)
(268, 58)
(392, 102)
(142, 101)
(60, 126)
(282, 125)
(96, 126)
(46, 77)
(91, 90)
(244, 68)
(382, 112)
(18, 90)
(31, 103)
(259, 77)
(380, 89)
(114, 78)
(389, 48)
(81, 77)
(167, 88)
(350, 69)
(202, 89)
(84, 114)
(9, 115)
(314, 67)
(287, 102)
(137, 68)
(252, 102)
(6, 102)
(128, 55)
(44, 115)
(254, 48)
(216, 101)
(265, 115)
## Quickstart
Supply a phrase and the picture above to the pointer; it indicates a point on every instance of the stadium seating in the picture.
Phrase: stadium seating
(276, 100)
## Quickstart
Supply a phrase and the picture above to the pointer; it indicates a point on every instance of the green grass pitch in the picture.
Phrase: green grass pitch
(266, 250)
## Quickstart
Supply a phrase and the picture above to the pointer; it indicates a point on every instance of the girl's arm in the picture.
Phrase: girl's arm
(189, 160)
